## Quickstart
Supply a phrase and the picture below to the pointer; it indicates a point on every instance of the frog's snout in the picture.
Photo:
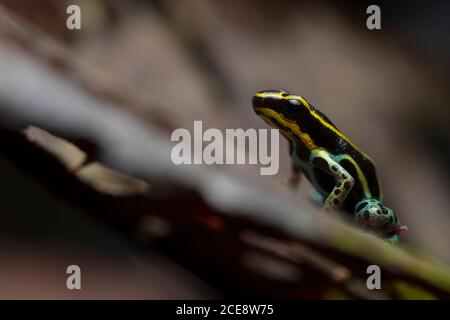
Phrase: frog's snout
(271, 99)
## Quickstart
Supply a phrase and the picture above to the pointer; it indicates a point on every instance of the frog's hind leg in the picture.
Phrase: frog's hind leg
(344, 181)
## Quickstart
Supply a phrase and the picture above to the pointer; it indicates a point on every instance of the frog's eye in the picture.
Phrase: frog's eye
(284, 94)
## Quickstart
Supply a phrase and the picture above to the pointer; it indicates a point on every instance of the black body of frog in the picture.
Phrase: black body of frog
(342, 174)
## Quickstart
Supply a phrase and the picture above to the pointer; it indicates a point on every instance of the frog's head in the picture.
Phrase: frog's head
(382, 220)
(280, 109)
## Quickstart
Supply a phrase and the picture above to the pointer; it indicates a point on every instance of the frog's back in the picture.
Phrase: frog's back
(360, 168)
(328, 137)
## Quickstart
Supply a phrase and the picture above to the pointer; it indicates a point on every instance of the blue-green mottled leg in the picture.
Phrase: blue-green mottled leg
(344, 181)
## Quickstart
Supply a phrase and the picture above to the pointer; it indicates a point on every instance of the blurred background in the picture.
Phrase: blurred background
(139, 69)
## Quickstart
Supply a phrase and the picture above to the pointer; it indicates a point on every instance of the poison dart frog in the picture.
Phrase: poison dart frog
(344, 177)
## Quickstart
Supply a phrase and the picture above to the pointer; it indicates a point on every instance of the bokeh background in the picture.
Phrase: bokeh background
(168, 63)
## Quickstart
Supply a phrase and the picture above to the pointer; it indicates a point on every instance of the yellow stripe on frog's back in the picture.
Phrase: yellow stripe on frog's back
(327, 124)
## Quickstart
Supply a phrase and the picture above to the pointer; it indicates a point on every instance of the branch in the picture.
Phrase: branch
(208, 220)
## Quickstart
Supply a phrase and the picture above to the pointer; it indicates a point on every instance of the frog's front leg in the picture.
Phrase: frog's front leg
(296, 172)
(295, 178)
(321, 159)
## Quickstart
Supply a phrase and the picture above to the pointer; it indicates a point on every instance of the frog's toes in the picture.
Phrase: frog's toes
(393, 240)
(316, 197)
(327, 208)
